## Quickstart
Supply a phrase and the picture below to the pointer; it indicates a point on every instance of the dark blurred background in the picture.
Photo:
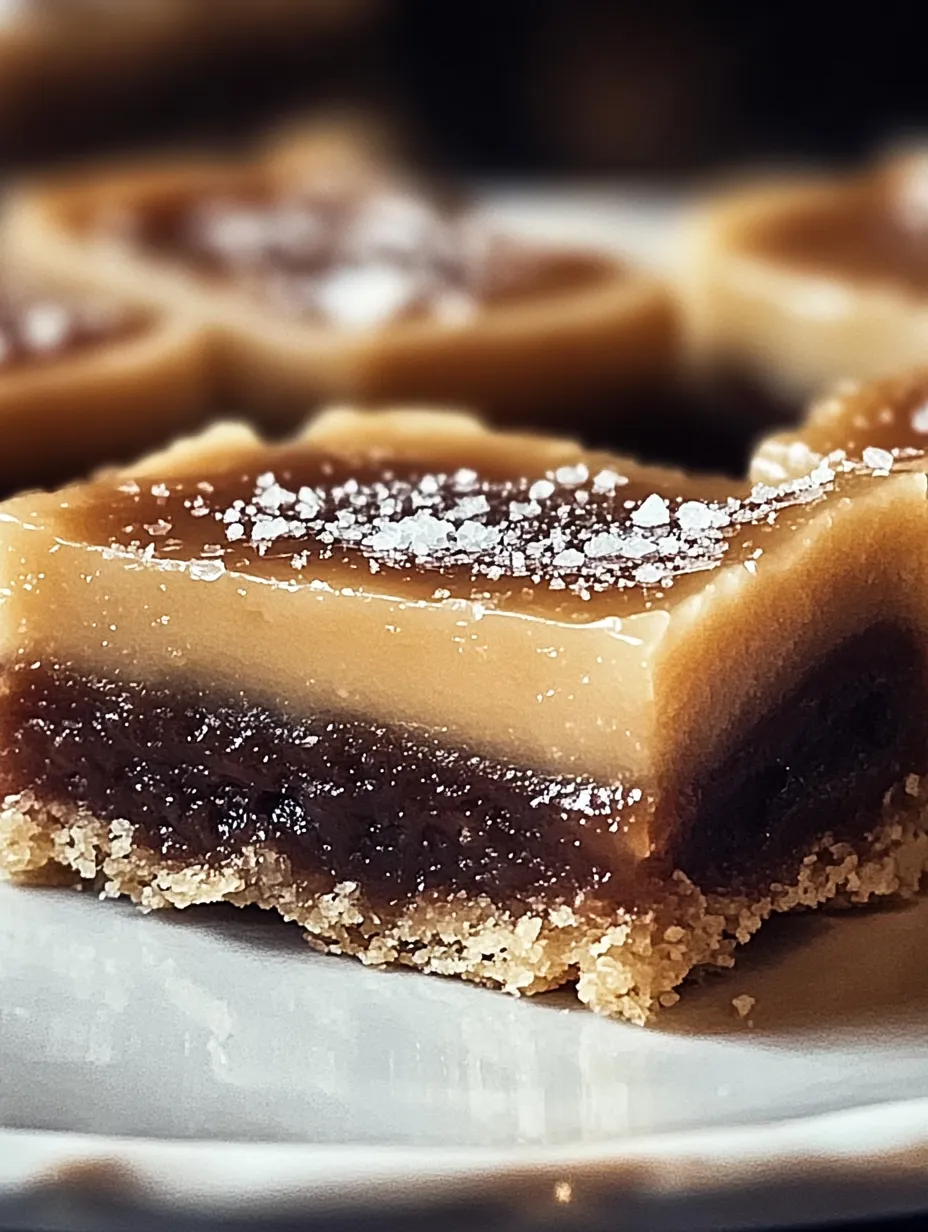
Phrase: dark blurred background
(585, 87)
(573, 88)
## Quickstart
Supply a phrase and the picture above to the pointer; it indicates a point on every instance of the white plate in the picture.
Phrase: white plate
(142, 1056)
(208, 1063)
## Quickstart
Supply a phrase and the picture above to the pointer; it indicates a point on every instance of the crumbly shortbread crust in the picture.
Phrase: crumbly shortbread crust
(622, 965)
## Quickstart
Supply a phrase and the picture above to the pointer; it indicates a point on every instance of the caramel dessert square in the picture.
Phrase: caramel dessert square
(811, 280)
(85, 380)
(482, 704)
(324, 272)
(878, 423)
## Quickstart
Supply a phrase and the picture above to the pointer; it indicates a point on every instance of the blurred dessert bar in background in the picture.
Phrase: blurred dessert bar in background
(86, 379)
(806, 281)
(323, 270)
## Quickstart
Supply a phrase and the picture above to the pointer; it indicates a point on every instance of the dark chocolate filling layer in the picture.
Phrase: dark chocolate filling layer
(820, 763)
(353, 802)
(399, 814)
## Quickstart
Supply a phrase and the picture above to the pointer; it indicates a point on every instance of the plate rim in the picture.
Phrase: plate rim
(886, 1143)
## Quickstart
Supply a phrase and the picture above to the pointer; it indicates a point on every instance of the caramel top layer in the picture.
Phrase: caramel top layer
(875, 229)
(890, 415)
(878, 424)
(513, 595)
(358, 255)
(510, 522)
(37, 328)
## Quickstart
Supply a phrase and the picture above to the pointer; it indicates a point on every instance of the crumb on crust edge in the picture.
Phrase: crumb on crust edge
(624, 966)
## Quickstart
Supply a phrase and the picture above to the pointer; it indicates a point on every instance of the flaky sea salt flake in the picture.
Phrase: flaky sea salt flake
(634, 547)
(647, 575)
(695, 517)
(571, 476)
(653, 511)
(877, 459)
(266, 529)
(475, 537)
(471, 506)
(273, 498)
(604, 544)
(206, 570)
(607, 481)
(518, 510)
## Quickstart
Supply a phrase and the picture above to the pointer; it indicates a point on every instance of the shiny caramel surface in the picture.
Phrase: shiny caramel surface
(869, 423)
(513, 522)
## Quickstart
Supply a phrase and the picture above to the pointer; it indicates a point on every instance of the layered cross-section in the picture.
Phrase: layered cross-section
(478, 703)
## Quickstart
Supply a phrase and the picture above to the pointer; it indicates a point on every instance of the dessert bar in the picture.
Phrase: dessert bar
(482, 704)
(85, 380)
(325, 273)
(807, 281)
(879, 422)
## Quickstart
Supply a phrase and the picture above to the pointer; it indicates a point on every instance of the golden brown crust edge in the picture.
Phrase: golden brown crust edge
(623, 966)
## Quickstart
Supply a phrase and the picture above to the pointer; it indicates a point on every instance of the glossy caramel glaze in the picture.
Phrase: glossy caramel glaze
(572, 540)
(873, 423)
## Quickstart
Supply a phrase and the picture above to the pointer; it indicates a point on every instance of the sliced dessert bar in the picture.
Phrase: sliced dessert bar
(84, 380)
(478, 703)
(812, 280)
(326, 274)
